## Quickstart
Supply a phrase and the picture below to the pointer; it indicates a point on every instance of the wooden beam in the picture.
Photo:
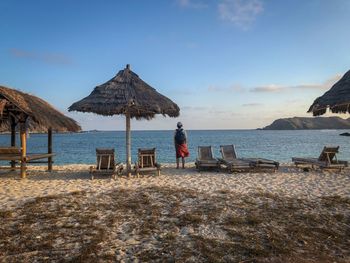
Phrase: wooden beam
(49, 149)
(13, 138)
(36, 156)
(23, 137)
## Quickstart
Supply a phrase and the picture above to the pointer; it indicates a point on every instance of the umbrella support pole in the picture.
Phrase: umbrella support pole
(13, 139)
(23, 137)
(49, 149)
(128, 144)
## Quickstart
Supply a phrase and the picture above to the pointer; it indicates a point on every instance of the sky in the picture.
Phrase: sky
(228, 64)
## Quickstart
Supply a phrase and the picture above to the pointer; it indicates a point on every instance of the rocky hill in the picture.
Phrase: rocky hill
(316, 123)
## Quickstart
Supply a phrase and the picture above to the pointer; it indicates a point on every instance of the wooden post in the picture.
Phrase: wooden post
(13, 139)
(128, 144)
(24, 148)
(49, 149)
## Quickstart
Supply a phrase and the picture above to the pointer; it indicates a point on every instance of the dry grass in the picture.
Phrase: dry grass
(162, 224)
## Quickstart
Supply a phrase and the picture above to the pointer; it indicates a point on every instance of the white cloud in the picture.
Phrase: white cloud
(233, 88)
(268, 88)
(183, 3)
(191, 4)
(311, 86)
(48, 58)
(321, 86)
(242, 13)
(194, 108)
(253, 104)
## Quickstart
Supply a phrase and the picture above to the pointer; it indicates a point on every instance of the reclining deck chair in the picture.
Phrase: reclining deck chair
(106, 164)
(147, 161)
(230, 160)
(326, 160)
(205, 158)
(229, 156)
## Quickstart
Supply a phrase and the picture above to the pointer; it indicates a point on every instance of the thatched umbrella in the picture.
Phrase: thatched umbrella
(128, 95)
(17, 107)
(337, 99)
(38, 113)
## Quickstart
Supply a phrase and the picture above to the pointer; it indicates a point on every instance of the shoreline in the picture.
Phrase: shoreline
(171, 130)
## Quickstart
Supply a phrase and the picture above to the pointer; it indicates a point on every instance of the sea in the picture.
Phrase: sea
(79, 148)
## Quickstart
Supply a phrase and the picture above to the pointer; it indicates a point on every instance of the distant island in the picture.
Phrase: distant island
(312, 123)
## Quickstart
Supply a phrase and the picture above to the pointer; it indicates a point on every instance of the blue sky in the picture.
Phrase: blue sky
(228, 64)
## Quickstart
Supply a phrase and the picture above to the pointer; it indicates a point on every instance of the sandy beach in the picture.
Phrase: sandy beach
(289, 181)
(182, 215)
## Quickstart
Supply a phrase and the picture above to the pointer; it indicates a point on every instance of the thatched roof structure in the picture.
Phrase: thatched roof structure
(128, 95)
(337, 99)
(39, 113)
(125, 89)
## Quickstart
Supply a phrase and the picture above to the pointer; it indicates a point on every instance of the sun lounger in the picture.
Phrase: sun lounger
(262, 163)
(147, 162)
(106, 164)
(205, 158)
(230, 160)
(326, 160)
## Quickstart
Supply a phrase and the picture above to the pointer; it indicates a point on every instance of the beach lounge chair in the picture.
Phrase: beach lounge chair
(326, 160)
(106, 164)
(229, 158)
(205, 158)
(147, 162)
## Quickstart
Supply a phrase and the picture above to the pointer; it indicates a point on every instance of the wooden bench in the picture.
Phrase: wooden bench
(14, 154)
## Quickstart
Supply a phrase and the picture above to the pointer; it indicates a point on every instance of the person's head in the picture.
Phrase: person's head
(179, 125)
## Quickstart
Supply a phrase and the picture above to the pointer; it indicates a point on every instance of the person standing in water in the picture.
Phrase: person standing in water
(180, 141)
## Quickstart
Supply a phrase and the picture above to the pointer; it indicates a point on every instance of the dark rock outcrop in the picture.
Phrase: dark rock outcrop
(304, 123)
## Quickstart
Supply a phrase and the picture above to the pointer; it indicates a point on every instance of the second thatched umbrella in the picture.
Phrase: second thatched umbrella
(127, 94)
(337, 99)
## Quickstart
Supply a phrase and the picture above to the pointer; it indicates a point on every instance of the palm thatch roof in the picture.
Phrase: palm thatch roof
(39, 113)
(126, 89)
(337, 99)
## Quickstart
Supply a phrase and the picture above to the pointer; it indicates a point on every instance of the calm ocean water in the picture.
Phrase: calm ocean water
(278, 145)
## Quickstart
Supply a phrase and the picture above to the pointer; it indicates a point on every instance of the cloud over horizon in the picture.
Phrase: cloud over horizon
(268, 88)
(253, 104)
(232, 88)
(312, 86)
